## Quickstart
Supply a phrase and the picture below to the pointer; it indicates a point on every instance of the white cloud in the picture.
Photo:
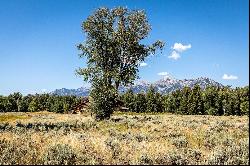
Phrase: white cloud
(174, 55)
(180, 47)
(229, 77)
(163, 74)
(177, 49)
(143, 64)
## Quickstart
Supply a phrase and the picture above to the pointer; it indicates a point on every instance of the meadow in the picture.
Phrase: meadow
(126, 138)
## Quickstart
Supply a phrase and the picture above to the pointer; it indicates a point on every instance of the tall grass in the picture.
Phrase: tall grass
(47, 138)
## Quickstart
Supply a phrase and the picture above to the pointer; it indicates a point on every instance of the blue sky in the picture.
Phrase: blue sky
(204, 38)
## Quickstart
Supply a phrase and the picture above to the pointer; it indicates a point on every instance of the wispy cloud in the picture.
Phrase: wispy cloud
(163, 73)
(177, 49)
(174, 55)
(180, 47)
(143, 64)
(229, 77)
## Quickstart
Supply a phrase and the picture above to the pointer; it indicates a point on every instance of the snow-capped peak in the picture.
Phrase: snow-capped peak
(165, 85)
(142, 83)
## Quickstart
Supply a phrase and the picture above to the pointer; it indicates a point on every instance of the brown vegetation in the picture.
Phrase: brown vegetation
(48, 138)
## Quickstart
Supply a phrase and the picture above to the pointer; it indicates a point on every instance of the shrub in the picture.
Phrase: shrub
(113, 144)
(145, 159)
(175, 158)
(180, 142)
(60, 154)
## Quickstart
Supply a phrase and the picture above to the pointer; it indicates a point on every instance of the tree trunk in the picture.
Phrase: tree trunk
(117, 83)
(18, 107)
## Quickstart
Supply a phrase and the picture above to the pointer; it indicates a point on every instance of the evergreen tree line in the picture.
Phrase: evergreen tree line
(210, 101)
(191, 101)
(16, 102)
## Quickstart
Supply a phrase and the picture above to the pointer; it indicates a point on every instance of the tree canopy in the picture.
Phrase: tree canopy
(113, 48)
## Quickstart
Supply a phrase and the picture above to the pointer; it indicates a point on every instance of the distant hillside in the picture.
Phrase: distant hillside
(164, 86)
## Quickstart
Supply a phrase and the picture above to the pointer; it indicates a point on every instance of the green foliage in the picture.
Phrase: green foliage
(244, 100)
(12, 103)
(185, 99)
(2, 103)
(149, 102)
(39, 102)
(57, 106)
(153, 100)
(195, 102)
(175, 101)
(104, 101)
(34, 106)
(140, 103)
(209, 97)
(114, 51)
(113, 47)
(24, 103)
(129, 99)
(244, 107)
(210, 101)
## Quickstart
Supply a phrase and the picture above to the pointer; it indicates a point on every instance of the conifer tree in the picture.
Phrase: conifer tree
(34, 105)
(244, 101)
(151, 100)
(140, 103)
(185, 97)
(165, 103)
(209, 98)
(128, 99)
(3, 102)
(195, 102)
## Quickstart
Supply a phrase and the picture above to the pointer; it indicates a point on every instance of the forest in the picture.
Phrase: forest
(187, 101)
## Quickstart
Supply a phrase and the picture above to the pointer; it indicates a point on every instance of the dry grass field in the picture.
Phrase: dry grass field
(48, 138)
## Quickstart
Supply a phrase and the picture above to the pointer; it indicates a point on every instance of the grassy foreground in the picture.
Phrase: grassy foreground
(48, 138)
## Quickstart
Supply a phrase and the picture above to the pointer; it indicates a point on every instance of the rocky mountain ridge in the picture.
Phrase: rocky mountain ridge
(165, 85)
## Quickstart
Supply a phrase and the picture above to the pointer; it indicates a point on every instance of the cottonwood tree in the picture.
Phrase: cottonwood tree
(114, 51)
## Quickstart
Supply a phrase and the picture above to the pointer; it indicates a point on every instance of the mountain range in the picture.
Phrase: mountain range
(165, 85)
